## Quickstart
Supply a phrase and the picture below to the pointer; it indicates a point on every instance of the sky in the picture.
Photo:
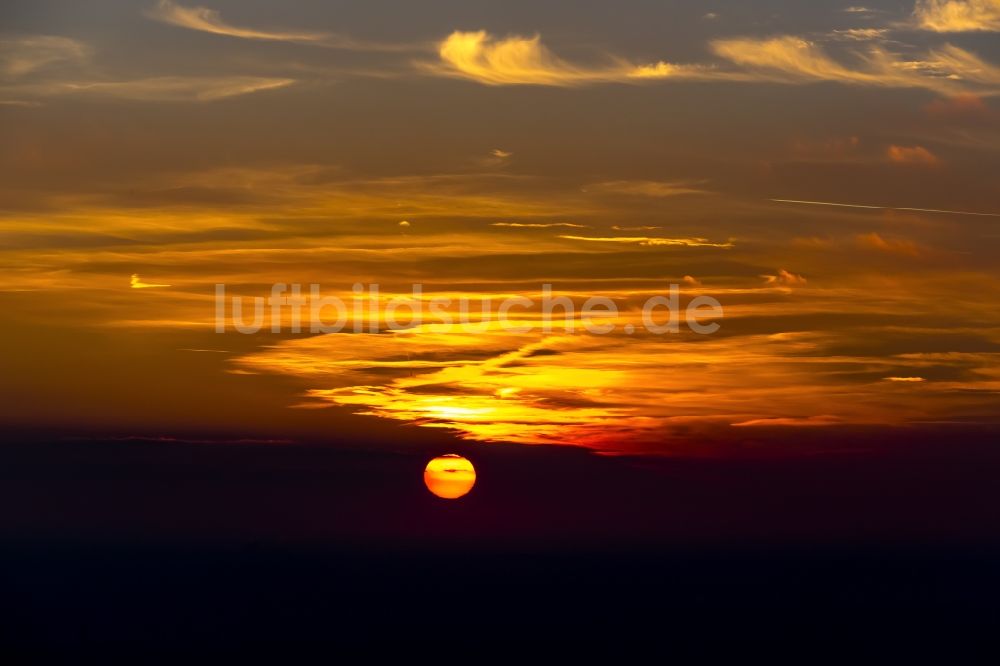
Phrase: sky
(827, 172)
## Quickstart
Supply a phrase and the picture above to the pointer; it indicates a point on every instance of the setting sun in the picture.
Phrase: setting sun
(450, 476)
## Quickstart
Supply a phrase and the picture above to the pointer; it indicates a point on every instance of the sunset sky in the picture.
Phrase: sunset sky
(829, 173)
(198, 446)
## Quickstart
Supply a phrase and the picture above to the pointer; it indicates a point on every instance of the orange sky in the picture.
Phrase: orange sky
(829, 174)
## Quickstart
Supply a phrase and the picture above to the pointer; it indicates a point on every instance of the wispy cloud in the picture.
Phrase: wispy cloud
(651, 241)
(792, 59)
(965, 107)
(162, 88)
(958, 15)
(135, 282)
(19, 102)
(538, 225)
(859, 34)
(960, 64)
(517, 60)
(24, 55)
(875, 241)
(947, 70)
(44, 66)
(911, 155)
(798, 422)
(207, 20)
(648, 188)
(784, 278)
(495, 158)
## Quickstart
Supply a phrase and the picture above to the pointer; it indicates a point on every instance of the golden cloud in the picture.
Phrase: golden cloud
(650, 241)
(911, 155)
(958, 15)
(784, 278)
(519, 60)
(789, 59)
(135, 282)
(209, 20)
(874, 241)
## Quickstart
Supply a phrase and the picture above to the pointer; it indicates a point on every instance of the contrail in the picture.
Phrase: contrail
(916, 210)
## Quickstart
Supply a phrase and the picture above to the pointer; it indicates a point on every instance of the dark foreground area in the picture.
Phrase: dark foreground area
(59, 596)
(173, 544)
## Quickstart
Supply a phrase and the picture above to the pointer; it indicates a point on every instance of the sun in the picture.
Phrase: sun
(450, 476)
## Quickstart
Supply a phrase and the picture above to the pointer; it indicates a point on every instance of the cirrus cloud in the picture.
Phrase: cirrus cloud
(958, 15)
(517, 60)
(162, 88)
(649, 241)
(24, 55)
(202, 19)
(647, 188)
(788, 59)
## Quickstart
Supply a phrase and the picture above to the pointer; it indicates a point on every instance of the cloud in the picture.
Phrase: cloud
(787, 56)
(859, 34)
(519, 60)
(963, 107)
(691, 281)
(25, 55)
(209, 20)
(646, 240)
(784, 278)
(514, 60)
(538, 225)
(874, 241)
(905, 379)
(496, 158)
(163, 88)
(478, 56)
(962, 65)
(958, 15)
(666, 70)
(44, 66)
(911, 155)
(647, 188)
(789, 59)
(811, 421)
(135, 282)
